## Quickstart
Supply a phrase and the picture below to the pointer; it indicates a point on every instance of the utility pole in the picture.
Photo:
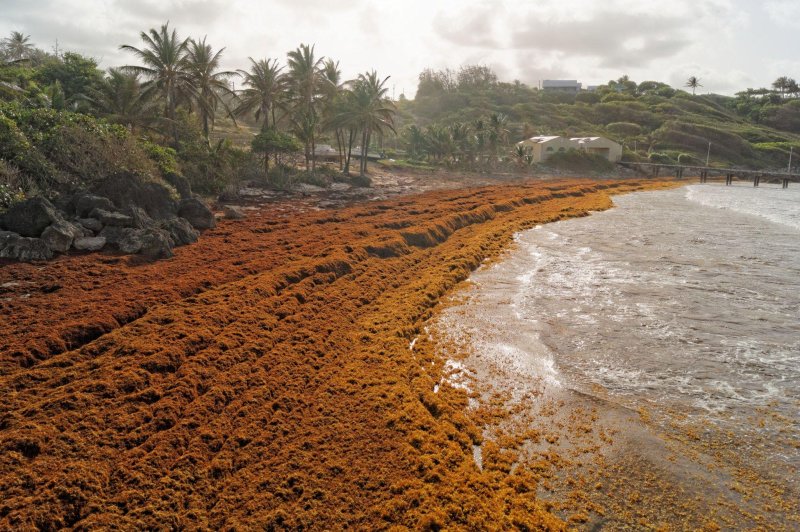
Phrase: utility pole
(708, 155)
(791, 149)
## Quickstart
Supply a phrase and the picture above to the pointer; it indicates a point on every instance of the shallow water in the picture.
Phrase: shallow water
(687, 301)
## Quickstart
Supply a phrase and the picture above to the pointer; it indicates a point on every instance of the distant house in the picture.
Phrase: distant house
(599, 146)
(326, 152)
(541, 148)
(562, 85)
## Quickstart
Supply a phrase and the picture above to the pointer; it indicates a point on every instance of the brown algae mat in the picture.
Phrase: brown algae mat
(263, 377)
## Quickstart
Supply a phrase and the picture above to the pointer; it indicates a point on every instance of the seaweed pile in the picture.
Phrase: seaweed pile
(263, 376)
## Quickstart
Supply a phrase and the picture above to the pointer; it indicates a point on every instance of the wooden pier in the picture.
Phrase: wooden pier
(706, 172)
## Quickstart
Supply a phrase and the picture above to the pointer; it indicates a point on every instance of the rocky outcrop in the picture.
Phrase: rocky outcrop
(84, 204)
(60, 235)
(139, 217)
(110, 218)
(126, 189)
(89, 243)
(152, 243)
(180, 231)
(180, 183)
(23, 249)
(30, 217)
(196, 212)
(92, 224)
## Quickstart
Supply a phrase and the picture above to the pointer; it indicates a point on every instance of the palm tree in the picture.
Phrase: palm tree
(17, 46)
(693, 82)
(497, 134)
(305, 79)
(265, 89)
(792, 87)
(782, 84)
(121, 99)
(207, 84)
(164, 66)
(332, 90)
(369, 111)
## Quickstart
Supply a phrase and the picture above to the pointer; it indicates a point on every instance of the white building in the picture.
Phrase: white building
(542, 148)
(562, 85)
(599, 146)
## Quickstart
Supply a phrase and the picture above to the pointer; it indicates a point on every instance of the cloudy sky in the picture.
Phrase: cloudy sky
(729, 44)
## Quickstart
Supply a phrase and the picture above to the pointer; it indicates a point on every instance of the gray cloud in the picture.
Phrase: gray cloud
(618, 40)
(584, 39)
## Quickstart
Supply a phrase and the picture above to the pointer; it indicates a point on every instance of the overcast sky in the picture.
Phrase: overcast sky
(729, 44)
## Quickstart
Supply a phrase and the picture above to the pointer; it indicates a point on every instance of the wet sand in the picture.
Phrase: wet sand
(598, 463)
(263, 377)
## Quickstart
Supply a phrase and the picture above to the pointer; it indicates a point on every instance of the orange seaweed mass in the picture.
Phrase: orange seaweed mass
(263, 377)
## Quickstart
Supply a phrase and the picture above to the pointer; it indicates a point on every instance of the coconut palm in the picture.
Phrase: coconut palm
(206, 83)
(265, 90)
(369, 111)
(121, 99)
(332, 90)
(782, 85)
(693, 83)
(306, 82)
(497, 133)
(164, 67)
(17, 46)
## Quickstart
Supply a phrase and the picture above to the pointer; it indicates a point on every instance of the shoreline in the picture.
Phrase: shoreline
(265, 376)
(599, 462)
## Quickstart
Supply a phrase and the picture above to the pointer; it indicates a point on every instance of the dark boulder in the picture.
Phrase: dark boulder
(196, 212)
(156, 244)
(89, 243)
(6, 237)
(59, 236)
(86, 203)
(152, 243)
(140, 218)
(24, 249)
(180, 231)
(110, 218)
(131, 241)
(232, 212)
(30, 217)
(180, 183)
(113, 235)
(126, 189)
(92, 224)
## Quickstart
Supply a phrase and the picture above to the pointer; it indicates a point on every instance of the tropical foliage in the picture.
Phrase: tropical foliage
(170, 99)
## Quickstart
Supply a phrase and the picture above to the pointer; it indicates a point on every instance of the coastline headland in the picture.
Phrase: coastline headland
(263, 377)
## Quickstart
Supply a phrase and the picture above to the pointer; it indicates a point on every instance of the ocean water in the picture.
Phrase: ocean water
(686, 301)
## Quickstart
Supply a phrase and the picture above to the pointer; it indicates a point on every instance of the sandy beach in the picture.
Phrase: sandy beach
(276, 373)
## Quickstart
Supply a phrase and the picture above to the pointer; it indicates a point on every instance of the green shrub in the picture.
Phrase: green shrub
(281, 177)
(660, 158)
(313, 178)
(165, 158)
(361, 181)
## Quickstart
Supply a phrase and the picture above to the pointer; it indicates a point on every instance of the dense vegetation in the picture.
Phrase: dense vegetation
(64, 123)
(460, 113)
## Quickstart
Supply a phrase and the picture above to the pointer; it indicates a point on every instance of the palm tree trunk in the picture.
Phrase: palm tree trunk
(313, 153)
(340, 147)
(351, 137)
(363, 164)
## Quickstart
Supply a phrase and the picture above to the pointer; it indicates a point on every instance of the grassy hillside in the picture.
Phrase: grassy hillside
(652, 120)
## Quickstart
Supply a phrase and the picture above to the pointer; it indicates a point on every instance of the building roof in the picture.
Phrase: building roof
(541, 140)
(560, 83)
